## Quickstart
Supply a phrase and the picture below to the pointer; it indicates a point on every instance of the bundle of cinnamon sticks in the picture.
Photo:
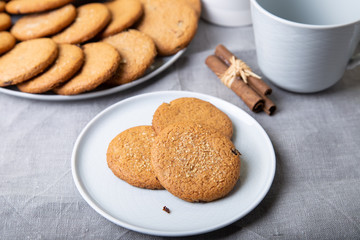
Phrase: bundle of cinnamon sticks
(237, 76)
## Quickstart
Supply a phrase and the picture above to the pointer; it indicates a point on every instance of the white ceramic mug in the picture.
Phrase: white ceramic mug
(305, 45)
(228, 13)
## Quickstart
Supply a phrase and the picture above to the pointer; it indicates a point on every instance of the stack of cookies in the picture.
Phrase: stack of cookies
(187, 151)
(55, 46)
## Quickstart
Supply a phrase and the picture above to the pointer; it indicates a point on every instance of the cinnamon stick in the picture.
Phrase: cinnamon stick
(248, 95)
(256, 83)
(269, 106)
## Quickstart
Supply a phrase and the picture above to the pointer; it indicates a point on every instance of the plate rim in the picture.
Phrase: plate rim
(96, 94)
(104, 213)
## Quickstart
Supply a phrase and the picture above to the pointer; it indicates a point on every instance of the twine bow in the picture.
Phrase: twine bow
(237, 68)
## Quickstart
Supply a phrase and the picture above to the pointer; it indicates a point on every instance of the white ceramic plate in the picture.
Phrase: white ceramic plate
(140, 209)
(160, 64)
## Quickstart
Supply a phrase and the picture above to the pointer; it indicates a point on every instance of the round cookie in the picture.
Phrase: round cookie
(7, 42)
(69, 61)
(90, 20)
(26, 60)
(195, 163)
(191, 109)
(129, 157)
(43, 24)
(137, 52)
(195, 4)
(5, 21)
(171, 24)
(2, 6)
(124, 14)
(101, 62)
(33, 6)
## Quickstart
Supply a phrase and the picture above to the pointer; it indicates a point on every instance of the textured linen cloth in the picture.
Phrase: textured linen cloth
(316, 137)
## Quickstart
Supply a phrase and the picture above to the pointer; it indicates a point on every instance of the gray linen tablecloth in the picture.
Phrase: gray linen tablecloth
(315, 193)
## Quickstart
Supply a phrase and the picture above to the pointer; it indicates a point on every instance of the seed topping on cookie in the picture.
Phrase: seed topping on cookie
(194, 162)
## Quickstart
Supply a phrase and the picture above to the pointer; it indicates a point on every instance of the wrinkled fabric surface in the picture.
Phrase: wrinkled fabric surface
(316, 137)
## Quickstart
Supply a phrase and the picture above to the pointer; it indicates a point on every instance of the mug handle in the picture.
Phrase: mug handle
(354, 61)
